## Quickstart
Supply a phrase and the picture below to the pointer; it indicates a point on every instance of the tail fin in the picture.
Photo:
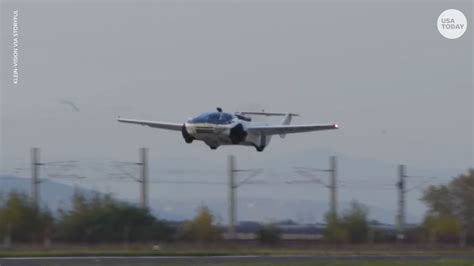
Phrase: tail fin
(286, 121)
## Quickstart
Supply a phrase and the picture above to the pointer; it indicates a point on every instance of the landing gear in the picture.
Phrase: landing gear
(259, 148)
(237, 134)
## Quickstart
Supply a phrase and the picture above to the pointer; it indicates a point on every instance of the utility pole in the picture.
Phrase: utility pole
(233, 185)
(35, 173)
(333, 186)
(401, 203)
(403, 189)
(143, 180)
(332, 170)
(35, 181)
(232, 191)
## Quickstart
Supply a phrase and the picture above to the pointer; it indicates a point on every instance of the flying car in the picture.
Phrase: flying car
(222, 128)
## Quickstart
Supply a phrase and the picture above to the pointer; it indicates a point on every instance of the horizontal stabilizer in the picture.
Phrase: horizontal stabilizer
(267, 113)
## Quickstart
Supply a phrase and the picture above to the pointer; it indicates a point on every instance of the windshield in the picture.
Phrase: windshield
(213, 118)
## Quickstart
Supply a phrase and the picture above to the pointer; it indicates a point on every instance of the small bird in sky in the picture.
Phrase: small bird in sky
(71, 104)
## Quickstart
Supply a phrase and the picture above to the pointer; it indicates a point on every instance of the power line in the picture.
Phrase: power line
(308, 172)
(142, 177)
(36, 165)
(189, 182)
(402, 190)
(232, 186)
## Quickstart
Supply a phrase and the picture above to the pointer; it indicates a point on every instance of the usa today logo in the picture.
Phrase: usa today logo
(452, 23)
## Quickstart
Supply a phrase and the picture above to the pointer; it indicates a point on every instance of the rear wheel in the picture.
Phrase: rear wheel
(259, 148)
(213, 147)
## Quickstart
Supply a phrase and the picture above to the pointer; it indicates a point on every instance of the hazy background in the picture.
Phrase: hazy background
(400, 92)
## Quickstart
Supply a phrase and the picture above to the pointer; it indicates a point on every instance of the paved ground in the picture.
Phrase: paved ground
(76, 261)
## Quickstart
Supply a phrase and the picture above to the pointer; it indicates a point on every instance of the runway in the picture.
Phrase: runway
(210, 260)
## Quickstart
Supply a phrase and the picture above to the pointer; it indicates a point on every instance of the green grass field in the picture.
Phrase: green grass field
(352, 263)
(374, 263)
(340, 263)
(210, 251)
(447, 255)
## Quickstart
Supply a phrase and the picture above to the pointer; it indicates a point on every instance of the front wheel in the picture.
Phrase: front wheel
(187, 137)
(237, 134)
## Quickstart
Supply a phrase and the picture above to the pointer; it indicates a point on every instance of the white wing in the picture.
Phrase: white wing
(288, 129)
(162, 125)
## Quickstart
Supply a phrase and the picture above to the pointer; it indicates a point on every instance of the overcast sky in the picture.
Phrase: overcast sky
(400, 92)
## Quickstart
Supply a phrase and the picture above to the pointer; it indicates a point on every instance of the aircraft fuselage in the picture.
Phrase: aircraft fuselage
(226, 130)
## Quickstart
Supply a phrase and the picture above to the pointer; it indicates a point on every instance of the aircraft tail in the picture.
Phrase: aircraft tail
(286, 121)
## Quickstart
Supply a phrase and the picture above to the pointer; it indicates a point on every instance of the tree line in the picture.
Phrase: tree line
(101, 218)
(91, 219)
(449, 219)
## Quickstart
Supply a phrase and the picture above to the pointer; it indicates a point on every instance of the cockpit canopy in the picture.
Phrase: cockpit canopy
(219, 118)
